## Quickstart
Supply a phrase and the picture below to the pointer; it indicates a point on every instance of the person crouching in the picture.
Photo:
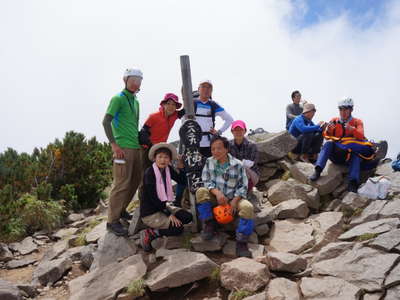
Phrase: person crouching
(156, 209)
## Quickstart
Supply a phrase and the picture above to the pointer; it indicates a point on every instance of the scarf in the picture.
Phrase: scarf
(161, 190)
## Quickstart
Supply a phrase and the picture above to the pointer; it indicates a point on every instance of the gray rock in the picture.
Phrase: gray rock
(174, 242)
(259, 296)
(286, 262)
(25, 247)
(111, 249)
(314, 199)
(72, 218)
(386, 241)
(393, 277)
(266, 215)
(107, 282)
(180, 269)
(65, 232)
(244, 274)
(14, 264)
(253, 238)
(370, 213)
(56, 250)
(294, 208)
(334, 205)
(51, 271)
(136, 223)
(266, 173)
(330, 178)
(374, 296)
(275, 146)
(215, 244)
(256, 250)
(8, 291)
(282, 289)
(329, 288)
(353, 201)
(284, 190)
(28, 289)
(373, 227)
(162, 252)
(392, 293)
(362, 266)
(292, 236)
(327, 228)
(87, 256)
(332, 250)
(262, 229)
(5, 253)
(96, 233)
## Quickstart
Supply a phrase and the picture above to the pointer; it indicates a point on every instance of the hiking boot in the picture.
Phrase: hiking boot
(117, 229)
(146, 237)
(316, 175)
(353, 186)
(208, 231)
(381, 149)
(126, 216)
(242, 250)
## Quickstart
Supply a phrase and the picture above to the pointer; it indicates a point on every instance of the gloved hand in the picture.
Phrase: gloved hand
(247, 163)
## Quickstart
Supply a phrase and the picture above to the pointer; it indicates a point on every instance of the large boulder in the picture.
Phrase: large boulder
(332, 250)
(65, 232)
(354, 201)
(329, 288)
(8, 291)
(19, 263)
(5, 253)
(51, 271)
(25, 247)
(107, 282)
(286, 262)
(369, 213)
(327, 227)
(362, 266)
(275, 146)
(393, 278)
(294, 208)
(293, 236)
(180, 269)
(392, 293)
(330, 178)
(285, 190)
(371, 228)
(386, 241)
(282, 289)
(111, 249)
(56, 250)
(244, 274)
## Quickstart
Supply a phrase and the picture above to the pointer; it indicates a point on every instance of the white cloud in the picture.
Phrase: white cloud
(61, 61)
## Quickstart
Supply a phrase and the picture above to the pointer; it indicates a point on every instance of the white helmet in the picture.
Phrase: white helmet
(346, 102)
(133, 72)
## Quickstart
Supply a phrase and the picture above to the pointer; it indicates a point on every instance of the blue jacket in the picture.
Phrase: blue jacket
(302, 125)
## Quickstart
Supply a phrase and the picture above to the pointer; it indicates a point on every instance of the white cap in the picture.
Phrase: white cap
(206, 81)
(346, 101)
(133, 72)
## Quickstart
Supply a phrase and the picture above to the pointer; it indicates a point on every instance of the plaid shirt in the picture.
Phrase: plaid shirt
(247, 150)
(233, 183)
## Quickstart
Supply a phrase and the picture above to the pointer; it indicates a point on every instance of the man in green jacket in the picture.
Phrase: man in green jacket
(121, 127)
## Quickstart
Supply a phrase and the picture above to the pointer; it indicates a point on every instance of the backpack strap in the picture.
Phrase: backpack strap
(213, 106)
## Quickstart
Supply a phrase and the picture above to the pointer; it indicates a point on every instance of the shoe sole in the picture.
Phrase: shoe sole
(117, 233)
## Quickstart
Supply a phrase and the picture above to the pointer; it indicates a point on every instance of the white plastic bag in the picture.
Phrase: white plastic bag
(375, 188)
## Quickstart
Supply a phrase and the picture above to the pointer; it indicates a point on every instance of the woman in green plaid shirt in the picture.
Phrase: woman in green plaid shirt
(225, 182)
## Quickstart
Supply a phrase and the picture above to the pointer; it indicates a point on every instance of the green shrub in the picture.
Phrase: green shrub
(136, 288)
(240, 294)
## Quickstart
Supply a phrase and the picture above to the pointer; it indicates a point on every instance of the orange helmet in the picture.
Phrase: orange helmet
(223, 214)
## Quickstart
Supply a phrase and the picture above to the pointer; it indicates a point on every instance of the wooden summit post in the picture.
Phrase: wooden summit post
(190, 136)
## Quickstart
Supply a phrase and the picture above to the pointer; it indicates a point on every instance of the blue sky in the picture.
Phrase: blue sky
(361, 13)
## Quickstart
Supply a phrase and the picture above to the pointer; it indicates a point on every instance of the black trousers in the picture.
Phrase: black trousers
(184, 216)
(309, 143)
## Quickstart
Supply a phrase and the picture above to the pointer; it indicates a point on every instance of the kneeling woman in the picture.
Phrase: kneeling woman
(156, 209)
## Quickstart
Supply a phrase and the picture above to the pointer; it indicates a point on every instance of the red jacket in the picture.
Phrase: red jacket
(160, 125)
(337, 131)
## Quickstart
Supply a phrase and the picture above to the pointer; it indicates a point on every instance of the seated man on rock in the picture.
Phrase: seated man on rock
(156, 209)
(225, 182)
(308, 135)
(347, 145)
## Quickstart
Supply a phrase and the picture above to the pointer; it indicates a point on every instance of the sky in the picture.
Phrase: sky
(62, 61)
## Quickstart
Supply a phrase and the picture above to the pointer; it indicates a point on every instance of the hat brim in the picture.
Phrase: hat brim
(170, 147)
(178, 104)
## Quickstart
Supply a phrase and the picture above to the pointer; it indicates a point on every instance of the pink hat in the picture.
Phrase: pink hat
(173, 97)
(238, 123)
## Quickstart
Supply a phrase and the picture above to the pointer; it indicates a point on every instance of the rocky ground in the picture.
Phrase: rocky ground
(310, 242)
